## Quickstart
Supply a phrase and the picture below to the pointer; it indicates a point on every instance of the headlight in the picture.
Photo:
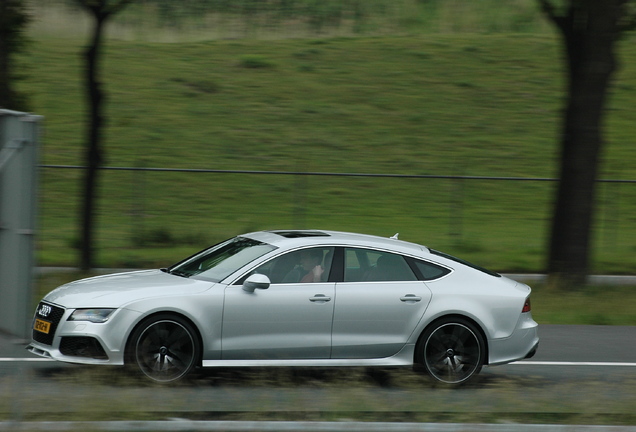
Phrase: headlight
(92, 315)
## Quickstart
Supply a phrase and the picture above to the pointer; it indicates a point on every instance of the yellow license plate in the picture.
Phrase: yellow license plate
(42, 326)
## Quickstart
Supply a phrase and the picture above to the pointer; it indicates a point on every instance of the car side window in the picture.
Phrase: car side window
(366, 265)
(430, 271)
(301, 266)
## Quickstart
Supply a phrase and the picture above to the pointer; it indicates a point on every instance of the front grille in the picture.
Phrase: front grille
(51, 314)
(82, 346)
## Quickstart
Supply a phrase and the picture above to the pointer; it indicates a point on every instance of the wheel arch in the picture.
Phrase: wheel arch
(166, 313)
(416, 355)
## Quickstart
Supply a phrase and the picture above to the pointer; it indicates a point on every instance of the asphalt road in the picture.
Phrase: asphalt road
(579, 371)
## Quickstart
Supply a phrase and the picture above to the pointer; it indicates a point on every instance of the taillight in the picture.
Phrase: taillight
(526, 306)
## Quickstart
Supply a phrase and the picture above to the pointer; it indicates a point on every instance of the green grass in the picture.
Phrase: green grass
(205, 19)
(435, 104)
(596, 305)
(337, 394)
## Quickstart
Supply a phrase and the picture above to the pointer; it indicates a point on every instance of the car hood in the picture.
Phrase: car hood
(118, 289)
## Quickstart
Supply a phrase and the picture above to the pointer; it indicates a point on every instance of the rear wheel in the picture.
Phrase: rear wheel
(164, 348)
(452, 351)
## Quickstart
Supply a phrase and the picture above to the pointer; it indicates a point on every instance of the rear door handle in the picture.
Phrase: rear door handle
(319, 298)
(410, 298)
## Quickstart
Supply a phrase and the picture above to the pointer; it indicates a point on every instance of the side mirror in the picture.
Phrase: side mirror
(256, 281)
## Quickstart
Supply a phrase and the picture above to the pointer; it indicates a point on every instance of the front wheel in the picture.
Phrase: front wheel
(452, 351)
(165, 348)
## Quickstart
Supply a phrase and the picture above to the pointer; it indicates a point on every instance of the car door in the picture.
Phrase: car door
(289, 320)
(379, 303)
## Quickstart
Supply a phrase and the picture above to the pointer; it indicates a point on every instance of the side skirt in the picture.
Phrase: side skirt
(403, 358)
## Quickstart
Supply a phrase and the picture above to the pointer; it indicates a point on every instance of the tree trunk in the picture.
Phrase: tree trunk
(13, 19)
(93, 153)
(590, 31)
(5, 81)
(101, 11)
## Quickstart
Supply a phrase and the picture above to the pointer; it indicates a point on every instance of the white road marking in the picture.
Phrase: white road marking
(12, 359)
(523, 363)
(549, 363)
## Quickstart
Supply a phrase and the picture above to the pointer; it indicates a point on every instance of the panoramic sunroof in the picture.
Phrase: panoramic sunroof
(299, 234)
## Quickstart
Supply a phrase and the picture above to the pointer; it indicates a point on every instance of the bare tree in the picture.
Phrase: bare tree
(101, 11)
(13, 19)
(590, 31)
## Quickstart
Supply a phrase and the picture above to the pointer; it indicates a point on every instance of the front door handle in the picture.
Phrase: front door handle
(410, 298)
(319, 298)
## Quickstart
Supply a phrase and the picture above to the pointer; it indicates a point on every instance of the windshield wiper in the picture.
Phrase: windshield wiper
(179, 273)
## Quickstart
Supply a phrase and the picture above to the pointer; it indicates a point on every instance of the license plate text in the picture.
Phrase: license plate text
(42, 326)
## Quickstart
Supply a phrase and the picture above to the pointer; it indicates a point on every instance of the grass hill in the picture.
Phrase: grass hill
(454, 104)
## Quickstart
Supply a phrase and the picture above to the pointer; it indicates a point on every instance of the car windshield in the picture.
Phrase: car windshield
(220, 261)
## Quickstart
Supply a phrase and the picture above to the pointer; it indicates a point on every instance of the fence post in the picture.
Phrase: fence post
(300, 193)
(611, 214)
(456, 216)
(138, 235)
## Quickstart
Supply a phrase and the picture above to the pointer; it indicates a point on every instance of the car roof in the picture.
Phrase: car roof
(289, 239)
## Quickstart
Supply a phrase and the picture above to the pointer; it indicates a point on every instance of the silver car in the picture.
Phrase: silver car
(293, 298)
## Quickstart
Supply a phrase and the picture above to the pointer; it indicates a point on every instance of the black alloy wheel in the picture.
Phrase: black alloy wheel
(165, 348)
(452, 351)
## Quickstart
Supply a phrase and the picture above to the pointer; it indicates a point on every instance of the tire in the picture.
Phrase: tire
(452, 351)
(165, 348)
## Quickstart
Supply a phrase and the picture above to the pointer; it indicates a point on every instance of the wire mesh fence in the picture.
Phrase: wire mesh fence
(145, 212)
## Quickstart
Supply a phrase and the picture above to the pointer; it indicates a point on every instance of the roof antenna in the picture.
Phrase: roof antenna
(395, 236)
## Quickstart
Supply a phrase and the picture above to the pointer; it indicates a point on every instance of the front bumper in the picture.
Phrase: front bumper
(85, 342)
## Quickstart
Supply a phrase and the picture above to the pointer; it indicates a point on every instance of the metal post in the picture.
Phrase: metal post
(18, 197)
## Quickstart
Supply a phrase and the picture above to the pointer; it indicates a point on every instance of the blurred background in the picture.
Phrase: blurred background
(440, 98)
(437, 119)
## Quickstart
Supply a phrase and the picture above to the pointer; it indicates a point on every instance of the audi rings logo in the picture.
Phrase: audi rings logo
(45, 310)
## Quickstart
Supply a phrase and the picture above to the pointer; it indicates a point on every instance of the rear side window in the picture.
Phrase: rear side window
(366, 265)
(461, 261)
(430, 271)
